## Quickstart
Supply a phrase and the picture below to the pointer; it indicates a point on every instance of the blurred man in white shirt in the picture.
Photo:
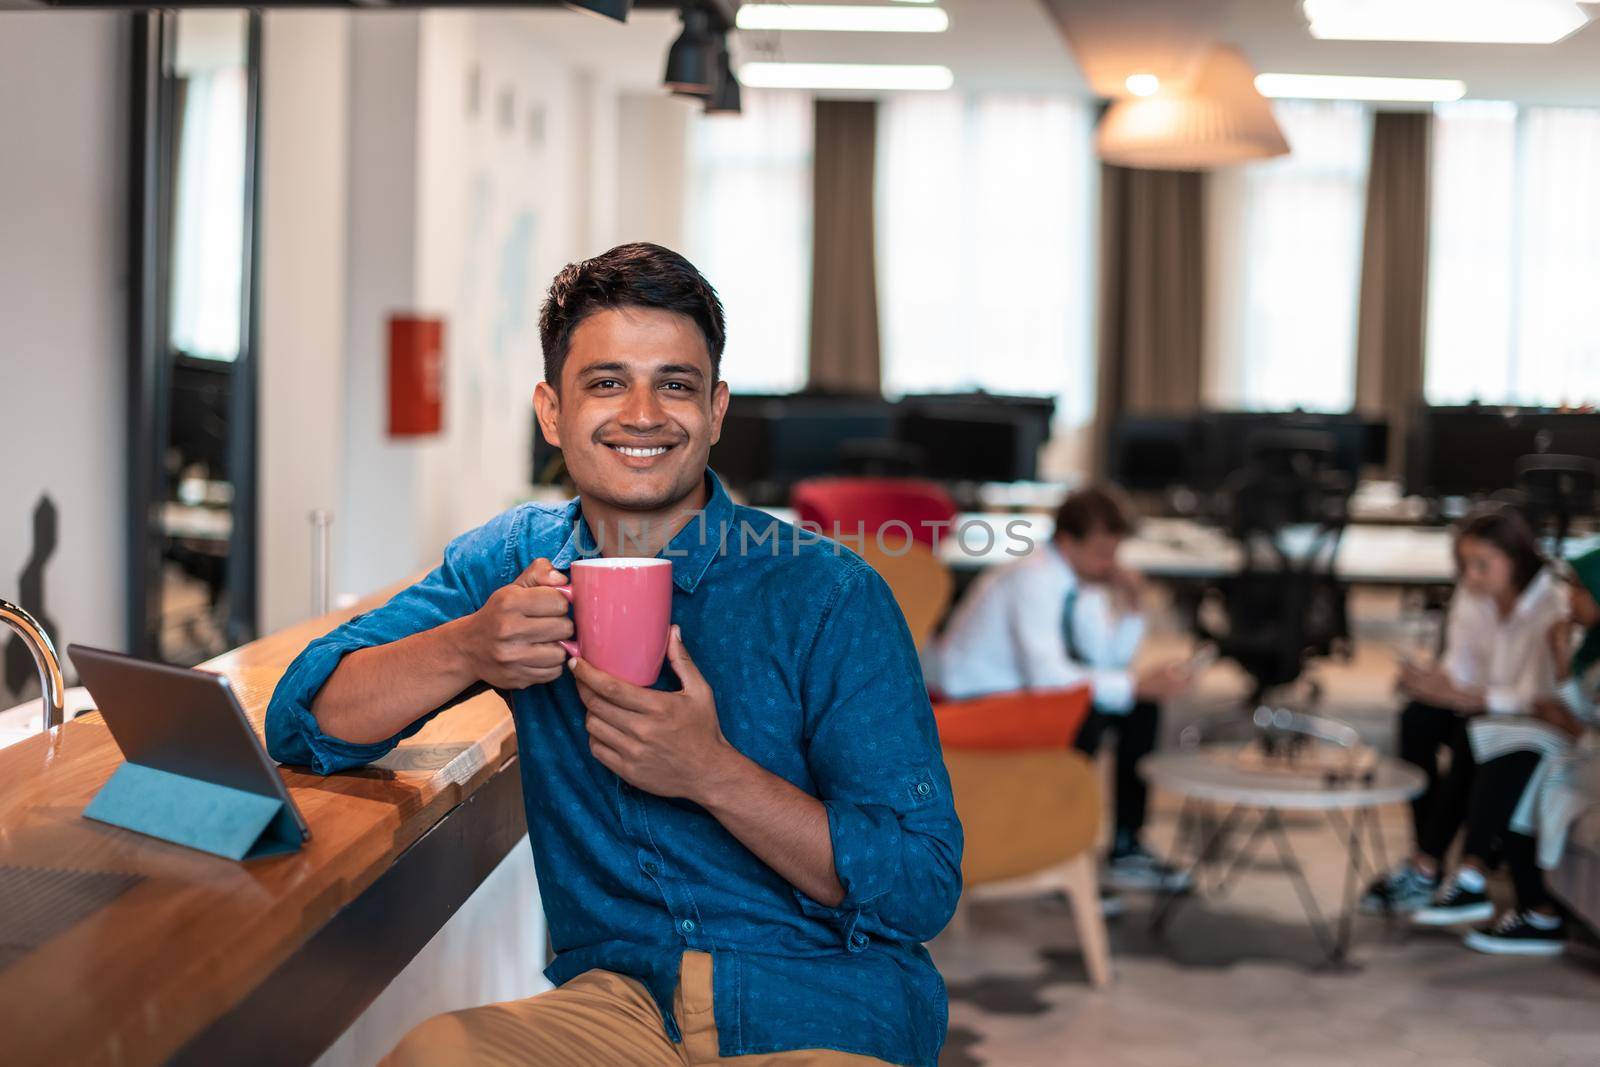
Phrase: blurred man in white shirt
(1068, 614)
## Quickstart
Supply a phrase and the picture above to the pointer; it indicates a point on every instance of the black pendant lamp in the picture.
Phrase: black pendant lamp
(724, 99)
(692, 60)
(611, 9)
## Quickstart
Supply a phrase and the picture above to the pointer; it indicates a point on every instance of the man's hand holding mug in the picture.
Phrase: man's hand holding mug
(514, 640)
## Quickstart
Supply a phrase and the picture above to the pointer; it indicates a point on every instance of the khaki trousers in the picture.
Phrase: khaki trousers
(599, 1019)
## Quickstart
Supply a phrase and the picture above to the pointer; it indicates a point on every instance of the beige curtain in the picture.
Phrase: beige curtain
(1394, 274)
(1152, 252)
(844, 284)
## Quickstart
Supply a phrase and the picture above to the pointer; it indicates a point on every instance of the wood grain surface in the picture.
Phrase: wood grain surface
(134, 981)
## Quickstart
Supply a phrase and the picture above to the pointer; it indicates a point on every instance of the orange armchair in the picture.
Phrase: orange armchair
(1029, 804)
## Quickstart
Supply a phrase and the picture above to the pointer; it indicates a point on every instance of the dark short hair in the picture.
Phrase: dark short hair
(1504, 527)
(638, 275)
(1098, 507)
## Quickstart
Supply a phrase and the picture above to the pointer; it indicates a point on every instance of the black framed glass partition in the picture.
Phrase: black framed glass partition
(192, 352)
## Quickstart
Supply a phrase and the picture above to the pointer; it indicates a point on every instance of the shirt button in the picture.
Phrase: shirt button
(651, 867)
(859, 940)
(922, 789)
(687, 926)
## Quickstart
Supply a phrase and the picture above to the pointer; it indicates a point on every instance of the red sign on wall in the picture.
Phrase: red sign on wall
(416, 375)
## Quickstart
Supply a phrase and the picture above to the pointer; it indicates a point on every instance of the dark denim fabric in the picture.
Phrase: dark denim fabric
(816, 679)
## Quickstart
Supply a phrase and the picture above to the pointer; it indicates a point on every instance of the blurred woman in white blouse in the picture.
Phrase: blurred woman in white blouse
(1498, 662)
(1518, 796)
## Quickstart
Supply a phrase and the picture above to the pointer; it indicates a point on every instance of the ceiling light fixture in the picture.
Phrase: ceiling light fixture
(862, 76)
(1143, 84)
(838, 17)
(1349, 87)
(692, 60)
(1216, 120)
(1453, 21)
(611, 9)
(724, 99)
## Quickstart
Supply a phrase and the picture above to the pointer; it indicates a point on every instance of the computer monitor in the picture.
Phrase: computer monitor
(742, 454)
(202, 391)
(806, 444)
(972, 446)
(1473, 450)
(1153, 453)
(770, 442)
(1375, 442)
(977, 437)
(1573, 433)
(1227, 436)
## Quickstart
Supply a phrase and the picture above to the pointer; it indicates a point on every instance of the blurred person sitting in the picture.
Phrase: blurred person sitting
(1497, 664)
(1067, 614)
(1521, 759)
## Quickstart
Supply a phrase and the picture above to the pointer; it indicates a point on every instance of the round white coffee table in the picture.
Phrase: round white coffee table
(1220, 792)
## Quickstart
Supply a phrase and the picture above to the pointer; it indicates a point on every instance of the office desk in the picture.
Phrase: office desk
(1368, 554)
(1182, 549)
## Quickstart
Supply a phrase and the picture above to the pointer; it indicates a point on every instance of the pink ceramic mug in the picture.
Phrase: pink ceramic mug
(623, 609)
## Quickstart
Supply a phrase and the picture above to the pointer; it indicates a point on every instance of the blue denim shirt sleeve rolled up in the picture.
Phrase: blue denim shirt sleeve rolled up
(874, 754)
(474, 566)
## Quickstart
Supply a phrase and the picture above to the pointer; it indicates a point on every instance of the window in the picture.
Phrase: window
(208, 212)
(985, 242)
(749, 232)
(1285, 266)
(1515, 235)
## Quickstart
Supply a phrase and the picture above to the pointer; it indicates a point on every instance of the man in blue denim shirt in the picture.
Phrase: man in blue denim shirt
(741, 860)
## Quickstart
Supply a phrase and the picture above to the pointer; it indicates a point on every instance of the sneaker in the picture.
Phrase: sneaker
(1514, 935)
(1136, 869)
(1454, 903)
(1403, 890)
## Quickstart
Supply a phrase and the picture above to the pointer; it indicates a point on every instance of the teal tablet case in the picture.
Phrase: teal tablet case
(187, 811)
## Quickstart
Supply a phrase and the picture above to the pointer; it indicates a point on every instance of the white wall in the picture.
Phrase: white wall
(376, 476)
(305, 89)
(462, 134)
(495, 211)
(63, 240)
(595, 161)
(653, 165)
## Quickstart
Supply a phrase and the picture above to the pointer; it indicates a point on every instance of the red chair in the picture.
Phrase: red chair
(867, 505)
(1038, 718)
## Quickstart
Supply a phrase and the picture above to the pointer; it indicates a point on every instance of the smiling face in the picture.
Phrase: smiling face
(637, 410)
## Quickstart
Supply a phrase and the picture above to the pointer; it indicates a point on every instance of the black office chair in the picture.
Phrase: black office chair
(1285, 605)
(1309, 456)
(1554, 490)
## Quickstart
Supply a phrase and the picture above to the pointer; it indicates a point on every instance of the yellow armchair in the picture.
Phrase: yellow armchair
(1031, 819)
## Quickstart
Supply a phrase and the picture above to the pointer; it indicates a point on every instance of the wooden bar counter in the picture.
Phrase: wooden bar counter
(124, 950)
